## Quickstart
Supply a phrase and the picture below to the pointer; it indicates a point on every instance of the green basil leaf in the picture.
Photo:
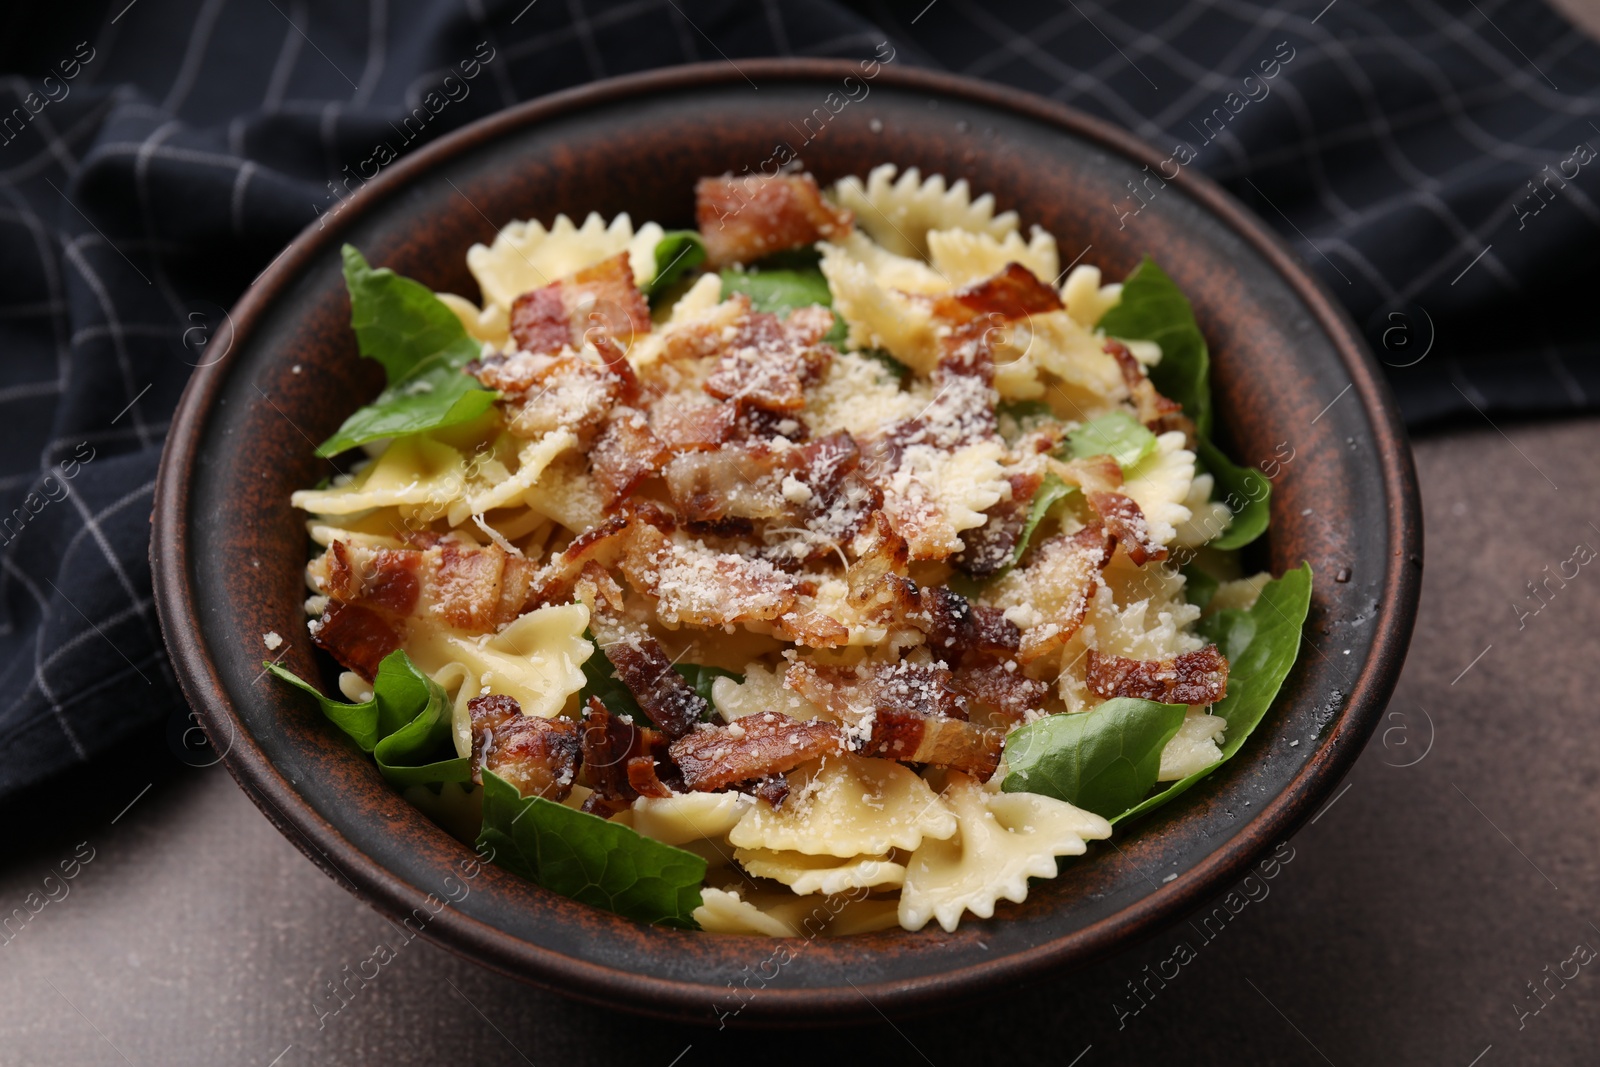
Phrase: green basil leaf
(781, 291)
(677, 253)
(1153, 308)
(422, 347)
(1261, 645)
(702, 677)
(403, 726)
(1116, 434)
(1104, 760)
(589, 859)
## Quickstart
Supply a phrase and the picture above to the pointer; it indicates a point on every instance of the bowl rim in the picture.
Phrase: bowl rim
(1336, 751)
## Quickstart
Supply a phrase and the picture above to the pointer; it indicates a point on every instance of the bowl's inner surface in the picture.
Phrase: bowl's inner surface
(294, 374)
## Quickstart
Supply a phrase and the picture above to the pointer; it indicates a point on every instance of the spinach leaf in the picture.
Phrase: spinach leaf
(600, 863)
(677, 253)
(1020, 409)
(781, 291)
(1102, 760)
(1116, 434)
(1261, 645)
(701, 677)
(1152, 308)
(422, 347)
(404, 726)
(1199, 585)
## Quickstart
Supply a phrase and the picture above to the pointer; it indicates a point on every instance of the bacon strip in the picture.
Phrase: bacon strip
(767, 363)
(1013, 293)
(357, 637)
(1199, 677)
(958, 631)
(538, 756)
(626, 454)
(987, 549)
(699, 586)
(1125, 522)
(612, 744)
(742, 219)
(598, 301)
(1155, 410)
(471, 587)
(1000, 689)
(754, 747)
(546, 392)
(1060, 579)
(641, 663)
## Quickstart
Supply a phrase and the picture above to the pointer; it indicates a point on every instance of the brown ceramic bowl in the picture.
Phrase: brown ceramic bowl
(1290, 373)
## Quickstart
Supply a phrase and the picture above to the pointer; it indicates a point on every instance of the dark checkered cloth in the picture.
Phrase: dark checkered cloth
(1429, 161)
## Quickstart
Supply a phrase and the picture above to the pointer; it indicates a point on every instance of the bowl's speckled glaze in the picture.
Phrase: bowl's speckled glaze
(1291, 377)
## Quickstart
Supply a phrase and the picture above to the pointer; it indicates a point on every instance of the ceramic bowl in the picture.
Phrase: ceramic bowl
(1291, 379)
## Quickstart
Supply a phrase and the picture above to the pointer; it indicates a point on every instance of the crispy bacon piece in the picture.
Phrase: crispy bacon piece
(1125, 522)
(643, 778)
(639, 660)
(812, 629)
(745, 218)
(987, 549)
(1093, 474)
(774, 789)
(910, 711)
(1155, 410)
(756, 746)
(683, 426)
(1060, 578)
(357, 637)
(743, 482)
(612, 744)
(472, 587)
(598, 301)
(546, 392)
(699, 586)
(767, 363)
(1199, 677)
(538, 756)
(554, 581)
(883, 557)
(999, 689)
(1013, 293)
(959, 631)
(626, 454)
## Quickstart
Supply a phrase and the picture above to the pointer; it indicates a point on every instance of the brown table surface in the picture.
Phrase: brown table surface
(1415, 910)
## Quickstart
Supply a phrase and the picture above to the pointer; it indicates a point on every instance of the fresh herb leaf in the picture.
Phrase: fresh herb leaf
(805, 257)
(1116, 434)
(1261, 645)
(1019, 410)
(677, 253)
(422, 347)
(701, 677)
(404, 726)
(589, 859)
(1102, 760)
(602, 682)
(1245, 490)
(781, 291)
(1199, 585)
(1152, 308)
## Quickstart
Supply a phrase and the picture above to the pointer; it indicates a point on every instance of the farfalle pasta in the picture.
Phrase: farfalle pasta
(780, 577)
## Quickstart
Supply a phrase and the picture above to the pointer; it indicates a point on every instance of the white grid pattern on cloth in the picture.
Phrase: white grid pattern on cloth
(1473, 109)
(129, 210)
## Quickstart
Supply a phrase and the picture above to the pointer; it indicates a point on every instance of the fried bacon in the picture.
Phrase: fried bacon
(999, 689)
(546, 392)
(699, 586)
(1061, 577)
(754, 747)
(612, 746)
(908, 711)
(598, 301)
(626, 454)
(986, 550)
(1199, 677)
(1155, 410)
(767, 363)
(684, 426)
(471, 587)
(554, 582)
(640, 662)
(959, 631)
(357, 637)
(742, 219)
(733, 482)
(538, 756)
(1125, 522)
(1013, 293)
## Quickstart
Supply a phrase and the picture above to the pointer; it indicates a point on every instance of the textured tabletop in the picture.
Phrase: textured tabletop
(1407, 923)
